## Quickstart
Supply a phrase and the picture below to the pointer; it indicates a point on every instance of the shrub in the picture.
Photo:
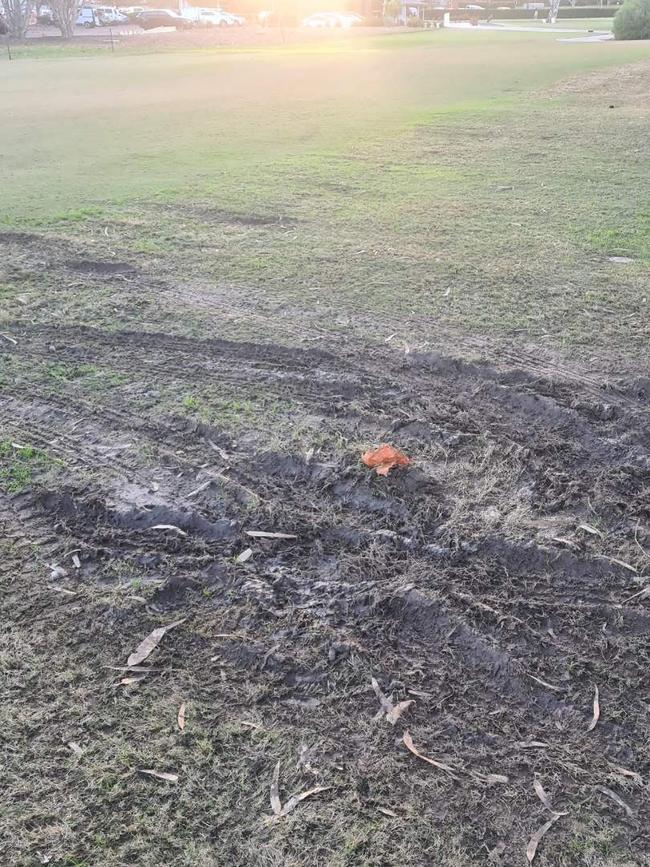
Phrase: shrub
(632, 21)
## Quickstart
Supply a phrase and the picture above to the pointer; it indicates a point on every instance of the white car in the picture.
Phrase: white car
(111, 15)
(208, 17)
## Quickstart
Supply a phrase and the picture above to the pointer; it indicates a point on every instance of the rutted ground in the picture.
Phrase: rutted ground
(490, 583)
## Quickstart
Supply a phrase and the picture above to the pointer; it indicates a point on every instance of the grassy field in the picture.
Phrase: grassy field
(427, 149)
(224, 275)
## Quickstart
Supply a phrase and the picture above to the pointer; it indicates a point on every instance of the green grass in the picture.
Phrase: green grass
(429, 174)
(103, 130)
(19, 463)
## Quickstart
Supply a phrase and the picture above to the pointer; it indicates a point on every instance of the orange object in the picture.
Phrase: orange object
(384, 458)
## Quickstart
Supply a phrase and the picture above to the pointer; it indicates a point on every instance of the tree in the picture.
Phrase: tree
(392, 9)
(632, 20)
(17, 14)
(554, 8)
(65, 15)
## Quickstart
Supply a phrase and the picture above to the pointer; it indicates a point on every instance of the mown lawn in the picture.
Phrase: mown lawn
(435, 172)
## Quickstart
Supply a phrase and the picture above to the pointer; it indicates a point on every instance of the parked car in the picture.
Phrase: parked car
(87, 17)
(111, 15)
(152, 18)
(44, 15)
(214, 18)
(132, 12)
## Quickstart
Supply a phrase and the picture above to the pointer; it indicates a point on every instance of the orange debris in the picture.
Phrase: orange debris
(384, 458)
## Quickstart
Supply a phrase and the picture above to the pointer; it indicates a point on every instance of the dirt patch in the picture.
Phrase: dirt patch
(630, 83)
(495, 583)
(210, 214)
(19, 238)
(102, 269)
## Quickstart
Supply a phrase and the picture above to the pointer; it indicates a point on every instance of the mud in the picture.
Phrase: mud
(467, 577)
(19, 238)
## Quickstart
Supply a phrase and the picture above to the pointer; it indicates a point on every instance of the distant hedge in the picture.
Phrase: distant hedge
(565, 13)
(632, 21)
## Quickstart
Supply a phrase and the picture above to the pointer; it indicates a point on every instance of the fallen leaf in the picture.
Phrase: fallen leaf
(395, 713)
(624, 772)
(276, 804)
(384, 458)
(408, 743)
(159, 775)
(546, 683)
(143, 668)
(262, 534)
(296, 799)
(392, 711)
(384, 701)
(169, 527)
(640, 595)
(199, 489)
(127, 681)
(491, 779)
(535, 840)
(244, 556)
(596, 716)
(617, 799)
(589, 529)
(619, 563)
(568, 542)
(541, 794)
(181, 717)
(150, 643)
(222, 454)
